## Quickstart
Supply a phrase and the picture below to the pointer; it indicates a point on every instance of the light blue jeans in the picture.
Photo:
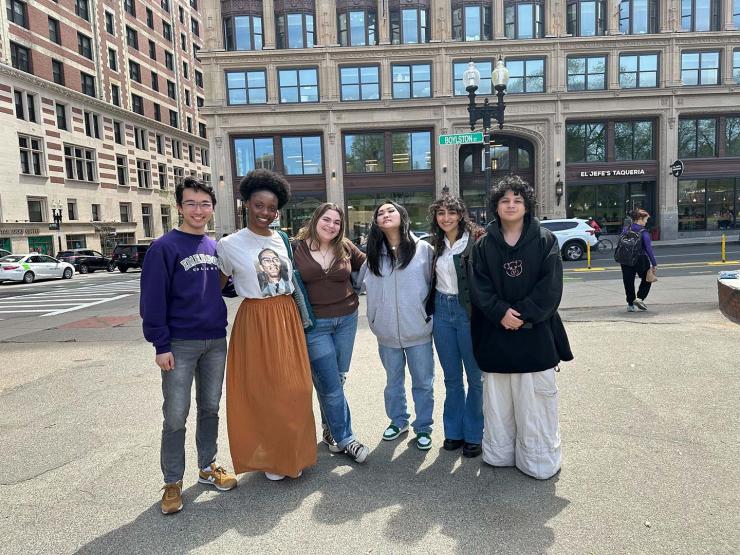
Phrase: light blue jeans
(420, 360)
(463, 414)
(330, 345)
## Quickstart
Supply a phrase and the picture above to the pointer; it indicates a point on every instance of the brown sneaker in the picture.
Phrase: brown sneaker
(217, 477)
(172, 498)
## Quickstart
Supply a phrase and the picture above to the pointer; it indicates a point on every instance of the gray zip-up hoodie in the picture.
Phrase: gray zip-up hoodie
(395, 299)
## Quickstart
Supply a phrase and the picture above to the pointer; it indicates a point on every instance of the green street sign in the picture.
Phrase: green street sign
(461, 138)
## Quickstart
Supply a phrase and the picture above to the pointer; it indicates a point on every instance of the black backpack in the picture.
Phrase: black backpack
(629, 248)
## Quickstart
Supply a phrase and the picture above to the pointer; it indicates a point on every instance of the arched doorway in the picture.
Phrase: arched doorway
(509, 155)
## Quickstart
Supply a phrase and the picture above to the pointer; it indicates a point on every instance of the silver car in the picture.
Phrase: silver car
(30, 267)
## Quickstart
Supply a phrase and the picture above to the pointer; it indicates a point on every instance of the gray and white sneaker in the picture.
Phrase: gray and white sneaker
(357, 451)
(327, 438)
(630, 308)
(639, 303)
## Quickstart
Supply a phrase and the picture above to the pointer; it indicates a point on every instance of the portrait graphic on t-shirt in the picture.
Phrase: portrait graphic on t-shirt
(272, 274)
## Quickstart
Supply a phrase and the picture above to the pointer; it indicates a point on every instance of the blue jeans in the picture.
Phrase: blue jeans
(204, 360)
(463, 415)
(330, 345)
(420, 359)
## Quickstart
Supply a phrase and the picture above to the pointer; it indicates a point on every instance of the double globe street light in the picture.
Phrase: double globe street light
(486, 112)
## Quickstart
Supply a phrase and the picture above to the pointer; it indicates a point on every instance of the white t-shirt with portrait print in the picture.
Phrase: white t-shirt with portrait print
(259, 265)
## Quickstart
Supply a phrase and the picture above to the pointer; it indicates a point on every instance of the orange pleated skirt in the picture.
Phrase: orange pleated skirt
(269, 390)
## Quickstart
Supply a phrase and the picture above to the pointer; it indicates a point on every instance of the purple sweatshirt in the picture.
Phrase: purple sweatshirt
(647, 244)
(181, 290)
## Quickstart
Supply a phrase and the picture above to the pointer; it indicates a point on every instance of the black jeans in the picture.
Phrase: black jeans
(628, 277)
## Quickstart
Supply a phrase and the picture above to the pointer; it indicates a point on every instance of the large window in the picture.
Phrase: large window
(25, 106)
(732, 136)
(361, 205)
(253, 153)
(20, 57)
(82, 9)
(638, 17)
(247, 87)
(524, 19)
(17, 12)
(708, 204)
(295, 30)
(633, 140)
(364, 153)
(298, 85)
(87, 84)
(302, 155)
(144, 173)
(585, 142)
(526, 76)
(243, 32)
(358, 27)
(471, 21)
(410, 26)
(79, 163)
(411, 151)
(121, 169)
(359, 83)
(700, 68)
(412, 81)
(484, 67)
(638, 71)
(697, 138)
(587, 73)
(32, 154)
(84, 46)
(586, 18)
(700, 15)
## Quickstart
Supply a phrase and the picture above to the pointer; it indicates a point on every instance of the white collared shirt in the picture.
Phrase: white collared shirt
(446, 272)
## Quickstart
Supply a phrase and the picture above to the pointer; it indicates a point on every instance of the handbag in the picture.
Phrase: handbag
(650, 276)
(300, 295)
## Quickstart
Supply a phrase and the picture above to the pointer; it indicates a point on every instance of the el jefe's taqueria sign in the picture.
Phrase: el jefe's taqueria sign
(611, 173)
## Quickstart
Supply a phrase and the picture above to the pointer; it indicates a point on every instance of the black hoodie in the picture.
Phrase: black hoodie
(529, 278)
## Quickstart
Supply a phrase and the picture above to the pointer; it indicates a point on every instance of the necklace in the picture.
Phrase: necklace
(326, 264)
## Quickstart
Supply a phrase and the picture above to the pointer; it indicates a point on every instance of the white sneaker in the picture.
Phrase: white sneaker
(357, 451)
(274, 477)
(630, 308)
(639, 303)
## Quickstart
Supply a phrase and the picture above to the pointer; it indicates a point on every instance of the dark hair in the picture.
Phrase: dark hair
(265, 180)
(376, 239)
(453, 204)
(340, 244)
(638, 214)
(262, 278)
(196, 185)
(516, 185)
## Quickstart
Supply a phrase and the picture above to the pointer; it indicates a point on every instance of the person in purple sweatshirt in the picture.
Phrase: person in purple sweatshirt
(644, 263)
(184, 317)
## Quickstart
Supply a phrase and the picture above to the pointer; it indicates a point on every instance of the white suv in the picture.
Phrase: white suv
(573, 235)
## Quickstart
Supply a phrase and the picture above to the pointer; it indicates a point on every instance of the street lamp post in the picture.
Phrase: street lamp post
(56, 213)
(486, 112)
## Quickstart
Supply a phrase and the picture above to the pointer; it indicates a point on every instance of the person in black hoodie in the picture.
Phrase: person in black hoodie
(516, 282)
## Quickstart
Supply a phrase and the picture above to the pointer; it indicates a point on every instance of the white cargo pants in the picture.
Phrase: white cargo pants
(521, 422)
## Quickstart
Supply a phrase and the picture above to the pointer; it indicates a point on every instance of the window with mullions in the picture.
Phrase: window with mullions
(79, 163)
(132, 37)
(364, 153)
(359, 83)
(298, 85)
(25, 106)
(243, 32)
(700, 68)
(638, 17)
(20, 57)
(526, 76)
(471, 22)
(587, 73)
(247, 87)
(252, 154)
(585, 142)
(411, 151)
(54, 33)
(296, 30)
(412, 81)
(638, 71)
(700, 15)
(633, 140)
(87, 84)
(84, 46)
(82, 9)
(484, 67)
(32, 154)
(524, 20)
(586, 18)
(732, 136)
(697, 138)
(57, 72)
(302, 156)
(17, 12)
(410, 26)
(357, 27)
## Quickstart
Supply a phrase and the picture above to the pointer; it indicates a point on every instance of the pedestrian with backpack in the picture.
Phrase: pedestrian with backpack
(634, 252)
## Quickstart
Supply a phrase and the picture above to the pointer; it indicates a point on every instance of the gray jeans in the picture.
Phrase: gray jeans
(204, 360)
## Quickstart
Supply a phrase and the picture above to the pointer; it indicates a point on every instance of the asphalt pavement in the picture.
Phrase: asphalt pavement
(649, 422)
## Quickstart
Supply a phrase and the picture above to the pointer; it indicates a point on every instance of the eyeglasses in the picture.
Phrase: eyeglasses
(274, 260)
(192, 205)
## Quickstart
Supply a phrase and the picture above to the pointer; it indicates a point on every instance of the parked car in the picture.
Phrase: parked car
(86, 260)
(3, 252)
(129, 256)
(30, 267)
(573, 235)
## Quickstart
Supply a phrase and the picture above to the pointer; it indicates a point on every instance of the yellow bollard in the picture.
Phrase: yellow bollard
(724, 248)
(588, 254)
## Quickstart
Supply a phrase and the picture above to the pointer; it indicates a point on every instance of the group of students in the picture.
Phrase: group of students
(487, 300)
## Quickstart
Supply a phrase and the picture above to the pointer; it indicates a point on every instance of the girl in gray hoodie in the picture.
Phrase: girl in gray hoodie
(397, 276)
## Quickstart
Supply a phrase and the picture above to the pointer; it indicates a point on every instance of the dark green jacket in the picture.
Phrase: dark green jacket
(461, 268)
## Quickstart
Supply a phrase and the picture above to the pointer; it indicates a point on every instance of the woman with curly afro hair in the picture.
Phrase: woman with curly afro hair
(268, 381)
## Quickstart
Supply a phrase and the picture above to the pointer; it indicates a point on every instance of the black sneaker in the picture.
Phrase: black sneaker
(471, 450)
(357, 451)
(452, 444)
(327, 438)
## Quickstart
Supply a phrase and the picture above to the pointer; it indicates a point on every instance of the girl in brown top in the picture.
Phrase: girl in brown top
(326, 258)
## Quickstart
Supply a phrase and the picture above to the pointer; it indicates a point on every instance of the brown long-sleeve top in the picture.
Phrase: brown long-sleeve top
(330, 293)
